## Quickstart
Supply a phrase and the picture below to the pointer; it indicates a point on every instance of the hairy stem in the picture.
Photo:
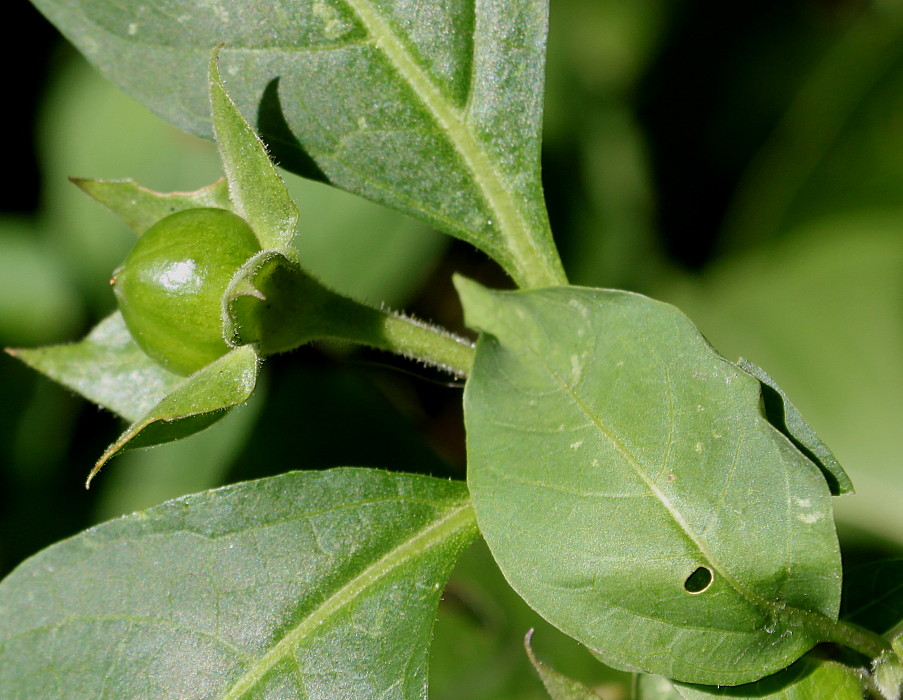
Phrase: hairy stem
(427, 343)
(402, 335)
(852, 636)
(275, 305)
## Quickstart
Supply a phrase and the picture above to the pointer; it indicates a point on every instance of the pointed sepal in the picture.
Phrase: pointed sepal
(140, 207)
(257, 191)
(107, 367)
(198, 402)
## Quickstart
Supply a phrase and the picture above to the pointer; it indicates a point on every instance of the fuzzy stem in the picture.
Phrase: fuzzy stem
(427, 343)
(388, 330)
(275, 305)
(850, 635)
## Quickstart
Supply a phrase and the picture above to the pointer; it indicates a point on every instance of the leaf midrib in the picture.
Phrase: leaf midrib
(813, 622)
(460, 517)
(749, 595)
(530, 265)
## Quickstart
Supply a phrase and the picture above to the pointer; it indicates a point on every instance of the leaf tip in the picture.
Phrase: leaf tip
(465, 285)
(112, 451)
(214, 57)
(216, 80)
(96, 468)
(469, 291)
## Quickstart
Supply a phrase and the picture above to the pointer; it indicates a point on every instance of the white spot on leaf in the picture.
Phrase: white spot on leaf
(333, 27)
(581, 309)
(576, 369)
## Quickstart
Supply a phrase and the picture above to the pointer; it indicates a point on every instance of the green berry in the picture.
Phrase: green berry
(170, 287)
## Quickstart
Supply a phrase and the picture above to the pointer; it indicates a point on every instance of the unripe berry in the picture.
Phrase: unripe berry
(170, 287)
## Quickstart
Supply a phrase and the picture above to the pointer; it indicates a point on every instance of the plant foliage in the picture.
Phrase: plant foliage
(667, 510)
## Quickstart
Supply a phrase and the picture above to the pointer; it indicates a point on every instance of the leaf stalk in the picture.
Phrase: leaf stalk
(275, 305)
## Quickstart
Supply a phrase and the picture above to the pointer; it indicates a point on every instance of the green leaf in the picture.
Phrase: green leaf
(785, 417)
(873, 595)
(813, 677)
(140, 208)
(258, 193)
(633, 492)
(559, 686)
(194, 404)
(306, 585)
(106, 367)
(433, 109)
(822, 312)
(477, 650)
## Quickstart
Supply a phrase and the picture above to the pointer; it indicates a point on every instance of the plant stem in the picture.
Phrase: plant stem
(274, 304)
(403, 335)
(431, 344)
(852, 636)
(862, 640)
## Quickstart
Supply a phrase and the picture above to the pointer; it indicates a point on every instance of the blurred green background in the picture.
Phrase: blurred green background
(743, 160)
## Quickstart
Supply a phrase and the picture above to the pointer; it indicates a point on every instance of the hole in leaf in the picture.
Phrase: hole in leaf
(699, 580)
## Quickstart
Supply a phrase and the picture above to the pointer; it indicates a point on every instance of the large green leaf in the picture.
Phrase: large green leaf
(307, 585)
(431, 108)
(633, 491)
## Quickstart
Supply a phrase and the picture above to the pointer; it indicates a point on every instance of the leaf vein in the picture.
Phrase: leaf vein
(515, 230)
(638, 469)
(459, 517)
